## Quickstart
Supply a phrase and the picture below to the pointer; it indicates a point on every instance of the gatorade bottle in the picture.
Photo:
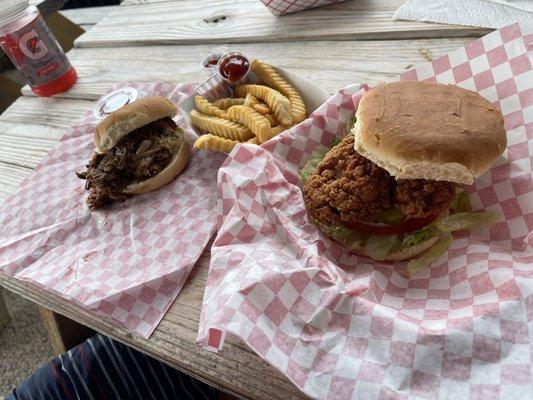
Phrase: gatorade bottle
(33, 49)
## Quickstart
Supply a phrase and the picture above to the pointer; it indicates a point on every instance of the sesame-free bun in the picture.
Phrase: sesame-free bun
(421, 130)
(130, 117)
(401, 255)
(180, 158)
(398, 255)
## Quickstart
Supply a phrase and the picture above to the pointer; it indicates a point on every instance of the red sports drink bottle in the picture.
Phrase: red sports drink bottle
(33, 49)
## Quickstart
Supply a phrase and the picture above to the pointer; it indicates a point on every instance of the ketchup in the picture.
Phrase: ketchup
(234, 67)
(213, 62)
(33, 49)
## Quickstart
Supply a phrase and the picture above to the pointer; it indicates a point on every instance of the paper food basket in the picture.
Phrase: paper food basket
(280, 7)
(216, 88)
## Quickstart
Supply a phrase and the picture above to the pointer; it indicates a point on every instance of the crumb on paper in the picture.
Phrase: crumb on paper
(426, 53)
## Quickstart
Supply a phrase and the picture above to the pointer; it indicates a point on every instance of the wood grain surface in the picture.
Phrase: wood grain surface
(331, 65)
(326, 45)
(230, 21)
(63, 332)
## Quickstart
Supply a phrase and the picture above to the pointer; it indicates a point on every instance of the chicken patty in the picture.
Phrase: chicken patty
(347, 187)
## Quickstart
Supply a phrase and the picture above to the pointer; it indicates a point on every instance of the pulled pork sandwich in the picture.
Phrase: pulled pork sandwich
(391, 189)
(139, 148)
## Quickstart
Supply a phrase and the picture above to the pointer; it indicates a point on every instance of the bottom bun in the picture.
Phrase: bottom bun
(412, 251)
(180, 158)
(399, 255)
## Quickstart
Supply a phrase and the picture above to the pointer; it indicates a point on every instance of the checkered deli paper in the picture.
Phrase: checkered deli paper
(126, 263)
(343, 327)
(280, 7)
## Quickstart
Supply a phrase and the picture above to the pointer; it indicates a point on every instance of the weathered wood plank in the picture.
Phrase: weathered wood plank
(63, 332)
(32, 126)
(11, 176)
(229, 21)
(51, 112)
(331, 65)
(4, 314)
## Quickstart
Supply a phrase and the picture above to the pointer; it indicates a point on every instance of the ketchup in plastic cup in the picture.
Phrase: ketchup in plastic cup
(233, 67)
(33, 49)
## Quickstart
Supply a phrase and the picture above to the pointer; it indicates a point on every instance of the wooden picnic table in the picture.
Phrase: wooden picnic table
(147, 40)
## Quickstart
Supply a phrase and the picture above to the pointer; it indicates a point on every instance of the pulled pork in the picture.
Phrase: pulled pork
(141, 155)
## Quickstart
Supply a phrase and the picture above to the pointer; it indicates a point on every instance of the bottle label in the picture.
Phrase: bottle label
(36, 53)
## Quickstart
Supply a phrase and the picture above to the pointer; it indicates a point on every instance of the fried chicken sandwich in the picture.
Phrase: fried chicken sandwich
(391, 189)
(139, 148)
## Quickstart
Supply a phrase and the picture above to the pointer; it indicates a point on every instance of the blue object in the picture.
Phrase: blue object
(101, 368)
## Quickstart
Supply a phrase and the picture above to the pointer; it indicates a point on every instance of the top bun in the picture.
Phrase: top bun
(130, 117)
(421, 130)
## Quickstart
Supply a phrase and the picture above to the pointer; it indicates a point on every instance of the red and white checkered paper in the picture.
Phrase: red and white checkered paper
(344, 327)
(280, 7)
(126, 263)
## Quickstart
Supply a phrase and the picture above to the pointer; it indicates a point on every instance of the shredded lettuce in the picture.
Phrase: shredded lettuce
(380, 246)
(461, 202)
(351, 124)
(432, 254)
(351, 240)
(311, 164)
(418, 236)
(467, 220)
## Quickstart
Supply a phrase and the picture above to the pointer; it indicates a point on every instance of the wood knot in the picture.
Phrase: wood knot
(215, 19)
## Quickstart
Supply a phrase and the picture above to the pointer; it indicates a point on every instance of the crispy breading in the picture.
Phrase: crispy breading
(418, 198)
(347, 188)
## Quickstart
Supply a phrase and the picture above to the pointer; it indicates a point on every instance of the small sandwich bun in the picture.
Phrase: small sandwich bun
(399, 255)
(421, 130)
(130, 117)
(181, 155)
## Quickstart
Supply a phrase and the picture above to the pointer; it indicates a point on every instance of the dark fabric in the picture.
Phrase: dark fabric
(101, 368)
(89, 3)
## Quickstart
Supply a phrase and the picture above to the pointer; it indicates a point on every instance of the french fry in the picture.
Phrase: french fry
(259, 125)
(253, 141)
(220, 127)
(262, 108)
(274, 131)
(269, 76)
(226, 103)
(278, 103)
(215, 143)
(250, 100)
(204, 106)
(273, 121)
(278, 129)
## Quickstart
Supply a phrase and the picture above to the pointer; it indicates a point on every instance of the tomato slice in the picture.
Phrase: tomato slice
(409, 225)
